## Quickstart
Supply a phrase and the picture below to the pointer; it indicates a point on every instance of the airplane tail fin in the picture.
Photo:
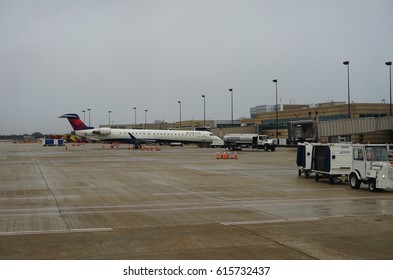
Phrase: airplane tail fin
(75, 121)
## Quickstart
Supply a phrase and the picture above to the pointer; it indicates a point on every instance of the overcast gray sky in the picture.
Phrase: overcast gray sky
(61, 57)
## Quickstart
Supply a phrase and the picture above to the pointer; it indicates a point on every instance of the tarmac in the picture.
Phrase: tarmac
(96, 202)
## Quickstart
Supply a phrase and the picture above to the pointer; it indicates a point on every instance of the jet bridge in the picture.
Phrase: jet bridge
(354, 126)
(312, 130)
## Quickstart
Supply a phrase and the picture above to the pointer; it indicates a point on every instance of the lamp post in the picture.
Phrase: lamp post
(204, 109)
(84, 116)
(89, 116)
(146, 118)
(276, 82)
(135, 117)
(179, 111)
(231, 91)
(109, 118)
(349, 95)
(389, 63)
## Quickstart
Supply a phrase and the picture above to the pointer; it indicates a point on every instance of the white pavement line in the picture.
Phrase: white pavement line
(137, 206)
(304, 190)
(270, 221)
(33, 232)
(38, 197)
(294, 200)
(148, 210)
(185, 193)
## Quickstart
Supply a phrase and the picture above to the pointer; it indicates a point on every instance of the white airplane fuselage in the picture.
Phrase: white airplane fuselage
(136, 136)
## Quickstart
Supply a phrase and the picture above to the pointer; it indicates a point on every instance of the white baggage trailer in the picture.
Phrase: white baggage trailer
(304, 158)
(332, 161)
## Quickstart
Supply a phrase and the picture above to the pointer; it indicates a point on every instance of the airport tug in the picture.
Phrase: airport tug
(370, 165)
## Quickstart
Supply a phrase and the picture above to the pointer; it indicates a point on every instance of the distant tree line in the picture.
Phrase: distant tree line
(35, 135)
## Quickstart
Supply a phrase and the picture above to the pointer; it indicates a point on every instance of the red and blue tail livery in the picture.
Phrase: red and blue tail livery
(75, 121)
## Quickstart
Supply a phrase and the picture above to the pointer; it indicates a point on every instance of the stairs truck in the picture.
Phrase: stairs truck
(255, 141)
(371, 166)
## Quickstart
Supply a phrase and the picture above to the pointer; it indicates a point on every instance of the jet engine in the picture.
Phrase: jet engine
(102, 131)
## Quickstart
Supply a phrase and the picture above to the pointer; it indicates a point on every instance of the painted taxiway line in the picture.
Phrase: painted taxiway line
(38, 197)
(270, 221)
(185, 193)
(36, 232)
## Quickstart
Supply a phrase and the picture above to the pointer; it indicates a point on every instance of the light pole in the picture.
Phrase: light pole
(276, 82)
(204, 109)
(84, 118)
(89, 116)
(231, 91)
(180, 111)
(135, 117)
(109, 118)
(349, 95)
(146, 118)
(389, 63)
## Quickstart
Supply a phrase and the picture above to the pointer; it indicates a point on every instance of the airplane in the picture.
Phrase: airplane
(137, 136)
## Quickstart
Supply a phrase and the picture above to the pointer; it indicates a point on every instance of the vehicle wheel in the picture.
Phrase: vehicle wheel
(331, 180)
(231, 148)
(306, 174)
(353, 181)
(272, 149)
(372, 185)
(299, 172)
(317, 177)
(266, 148)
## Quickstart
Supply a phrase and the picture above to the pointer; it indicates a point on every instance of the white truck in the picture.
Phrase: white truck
(217, 142)
(370, 165)
(255, 141)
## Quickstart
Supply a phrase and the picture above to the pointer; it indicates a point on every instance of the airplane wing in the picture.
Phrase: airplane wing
(141, 141)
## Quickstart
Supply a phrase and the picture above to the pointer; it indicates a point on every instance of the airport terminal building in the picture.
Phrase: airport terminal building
(363, 122)
(359, 122)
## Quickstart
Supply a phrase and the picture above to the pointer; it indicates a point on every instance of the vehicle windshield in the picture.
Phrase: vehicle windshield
(377, 153)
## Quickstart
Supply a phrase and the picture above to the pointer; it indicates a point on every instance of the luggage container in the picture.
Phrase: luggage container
(332, 161)
(53, 142)
(303, 158)
(48, 142)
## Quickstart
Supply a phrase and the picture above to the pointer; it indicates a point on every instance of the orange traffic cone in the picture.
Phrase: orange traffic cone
(235, 156)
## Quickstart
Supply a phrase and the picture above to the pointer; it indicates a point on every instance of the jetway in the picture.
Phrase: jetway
(313, 130)
(354, 126)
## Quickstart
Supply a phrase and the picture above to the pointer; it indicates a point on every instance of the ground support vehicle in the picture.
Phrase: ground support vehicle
(332, 161)
(370, 165)
(254, 141)
(390, 150)
(304, 158)
(302, 131)
(53, 142)
(217, 142)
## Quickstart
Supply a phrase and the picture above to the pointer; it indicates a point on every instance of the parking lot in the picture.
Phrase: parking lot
(96, 202)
